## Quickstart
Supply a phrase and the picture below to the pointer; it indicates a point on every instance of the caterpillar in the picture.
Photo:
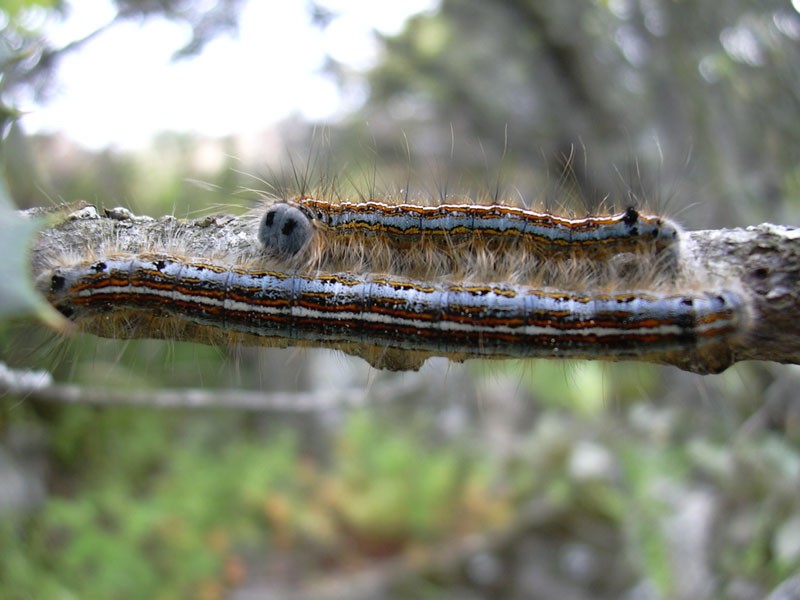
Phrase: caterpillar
(394, 314)
(473, 241)
(407, 222)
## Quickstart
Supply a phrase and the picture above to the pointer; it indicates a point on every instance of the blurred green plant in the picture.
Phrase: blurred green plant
(18, 298)
(392, 491)
(13, 7)
(159, 512)
(151, 504)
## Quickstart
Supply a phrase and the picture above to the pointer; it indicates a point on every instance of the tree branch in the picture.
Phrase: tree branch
(762, 263)
(39, 386)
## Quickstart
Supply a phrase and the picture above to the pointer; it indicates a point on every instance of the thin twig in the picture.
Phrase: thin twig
(39, 386)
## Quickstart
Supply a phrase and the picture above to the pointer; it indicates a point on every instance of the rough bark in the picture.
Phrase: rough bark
(764, 263)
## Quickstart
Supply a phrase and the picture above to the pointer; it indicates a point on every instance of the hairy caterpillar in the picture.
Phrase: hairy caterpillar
(472, 241)
(407, 222)
(487, 320)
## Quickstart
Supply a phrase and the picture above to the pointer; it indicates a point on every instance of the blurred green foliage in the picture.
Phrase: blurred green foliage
(163, 509)
(165, 504)
(17, 295)
(13, 7)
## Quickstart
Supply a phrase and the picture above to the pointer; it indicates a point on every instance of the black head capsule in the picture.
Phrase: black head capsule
(285, 230)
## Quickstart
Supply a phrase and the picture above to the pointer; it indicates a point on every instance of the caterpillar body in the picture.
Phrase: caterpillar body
(467, 320)
(407, 222)
(465, 241)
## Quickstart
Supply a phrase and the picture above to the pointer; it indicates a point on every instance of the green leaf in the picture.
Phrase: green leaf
(12, 7)
(18, 296)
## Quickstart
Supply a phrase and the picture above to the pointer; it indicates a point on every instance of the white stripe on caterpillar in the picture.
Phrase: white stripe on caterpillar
(342, 310)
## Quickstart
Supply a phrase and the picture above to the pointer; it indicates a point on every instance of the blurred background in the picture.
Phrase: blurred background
(483, 480)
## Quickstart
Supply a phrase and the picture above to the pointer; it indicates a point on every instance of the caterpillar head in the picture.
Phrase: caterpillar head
(285, 230)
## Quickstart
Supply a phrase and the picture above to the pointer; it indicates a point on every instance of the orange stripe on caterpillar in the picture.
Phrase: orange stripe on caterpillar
(473, 241)
(452, 221)
(342, 310)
